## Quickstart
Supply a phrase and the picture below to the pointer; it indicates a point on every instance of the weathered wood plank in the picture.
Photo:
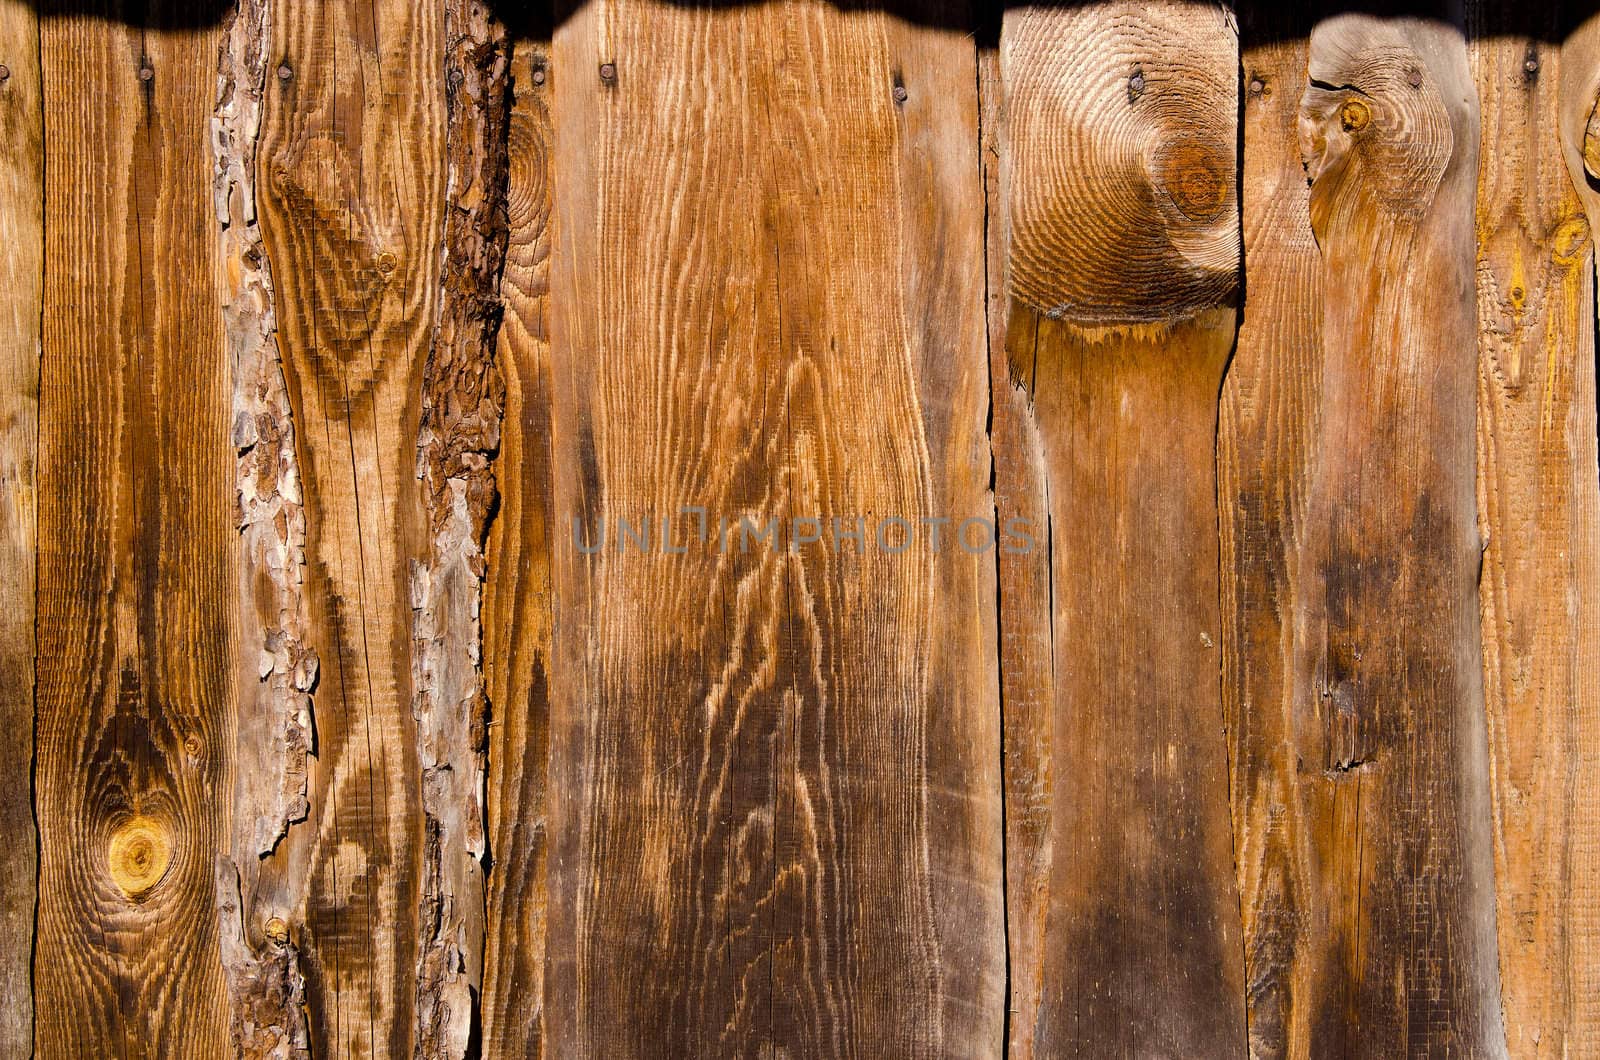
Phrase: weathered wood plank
(350, 200)
(463, 397)
(276, 666)
(1539, 508)
(136, 545)
(517, 608)
(774, 777)
(21, 274)
(1578, 100)
(1122, 262)
(1027, 692)
(1354, 676)
(1265, 442)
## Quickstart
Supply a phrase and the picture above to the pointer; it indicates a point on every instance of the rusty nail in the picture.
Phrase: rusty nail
(285, 72)
(1256, 86)
(1136, 84)
(900, 94)
(608, 72)
(538, 75)
(146, 74)
(1531, 64)
(1354, 115)
(1414, 77)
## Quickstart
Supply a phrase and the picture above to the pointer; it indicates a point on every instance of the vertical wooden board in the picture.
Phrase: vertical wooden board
(1539, 508)
(1266, 439)
(517, 610)
(774, 778)
(1385, 717)
(1027, 674)
(135, 485)
(351, 193)
(21, 274)
(1122, 261)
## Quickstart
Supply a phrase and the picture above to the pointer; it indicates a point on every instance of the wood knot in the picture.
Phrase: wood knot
(387, 262)
(138, 855)
(1354, 115)
(1194, 176)
(277, 930)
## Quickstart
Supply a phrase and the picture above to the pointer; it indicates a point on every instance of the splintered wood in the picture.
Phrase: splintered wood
(798, 529)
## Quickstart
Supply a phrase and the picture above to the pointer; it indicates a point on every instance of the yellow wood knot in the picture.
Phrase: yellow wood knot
(1570, 240)
(192, 745)
(277, 930)
(138, 856)
(1354, 115)
(387, 262)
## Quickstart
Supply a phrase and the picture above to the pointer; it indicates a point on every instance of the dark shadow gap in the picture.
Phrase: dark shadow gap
(1266, 20)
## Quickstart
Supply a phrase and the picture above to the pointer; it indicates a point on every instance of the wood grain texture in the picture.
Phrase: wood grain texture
(136, 488)
(1122, 262)
(351, 202)
(775, 810)
(518, 606)
(276, 666)
(1386, 721)
(1577, 101)
(1027, 693)
(1267, 437)
(1539, 508)
(463, 395)
(21, 276)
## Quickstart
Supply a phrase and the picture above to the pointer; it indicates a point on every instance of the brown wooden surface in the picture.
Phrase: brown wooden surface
(21, 273)
(1539, 508)
(1362, 772)
(775, 808)
(518, 607)
(1118, 167)
(351, 200)
(1274, 739)
(135, 548)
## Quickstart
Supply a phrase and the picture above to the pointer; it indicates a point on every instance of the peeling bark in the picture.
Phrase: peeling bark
(274, 733)
(462, 401)
(269, 993)
(271, 520)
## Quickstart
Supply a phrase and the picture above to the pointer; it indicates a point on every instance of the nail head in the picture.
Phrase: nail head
(1256, 86)
(1136, 85)
(5, 73)
(900, 94)
(538, 76)
(146, 74)
(285, 72)
(608, 72)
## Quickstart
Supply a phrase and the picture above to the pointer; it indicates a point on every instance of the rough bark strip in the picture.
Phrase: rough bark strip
(266, 990)
(463, 398)
(274, 729)
(774, 809)
(518, 620)
(21, 273)
(350, 202)
(137, 545)
(1118, 175)
(1266, 439)
(1388, 697)
(1539, 506)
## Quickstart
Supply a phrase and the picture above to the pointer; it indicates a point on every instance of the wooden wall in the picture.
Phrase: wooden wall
(333, 333)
